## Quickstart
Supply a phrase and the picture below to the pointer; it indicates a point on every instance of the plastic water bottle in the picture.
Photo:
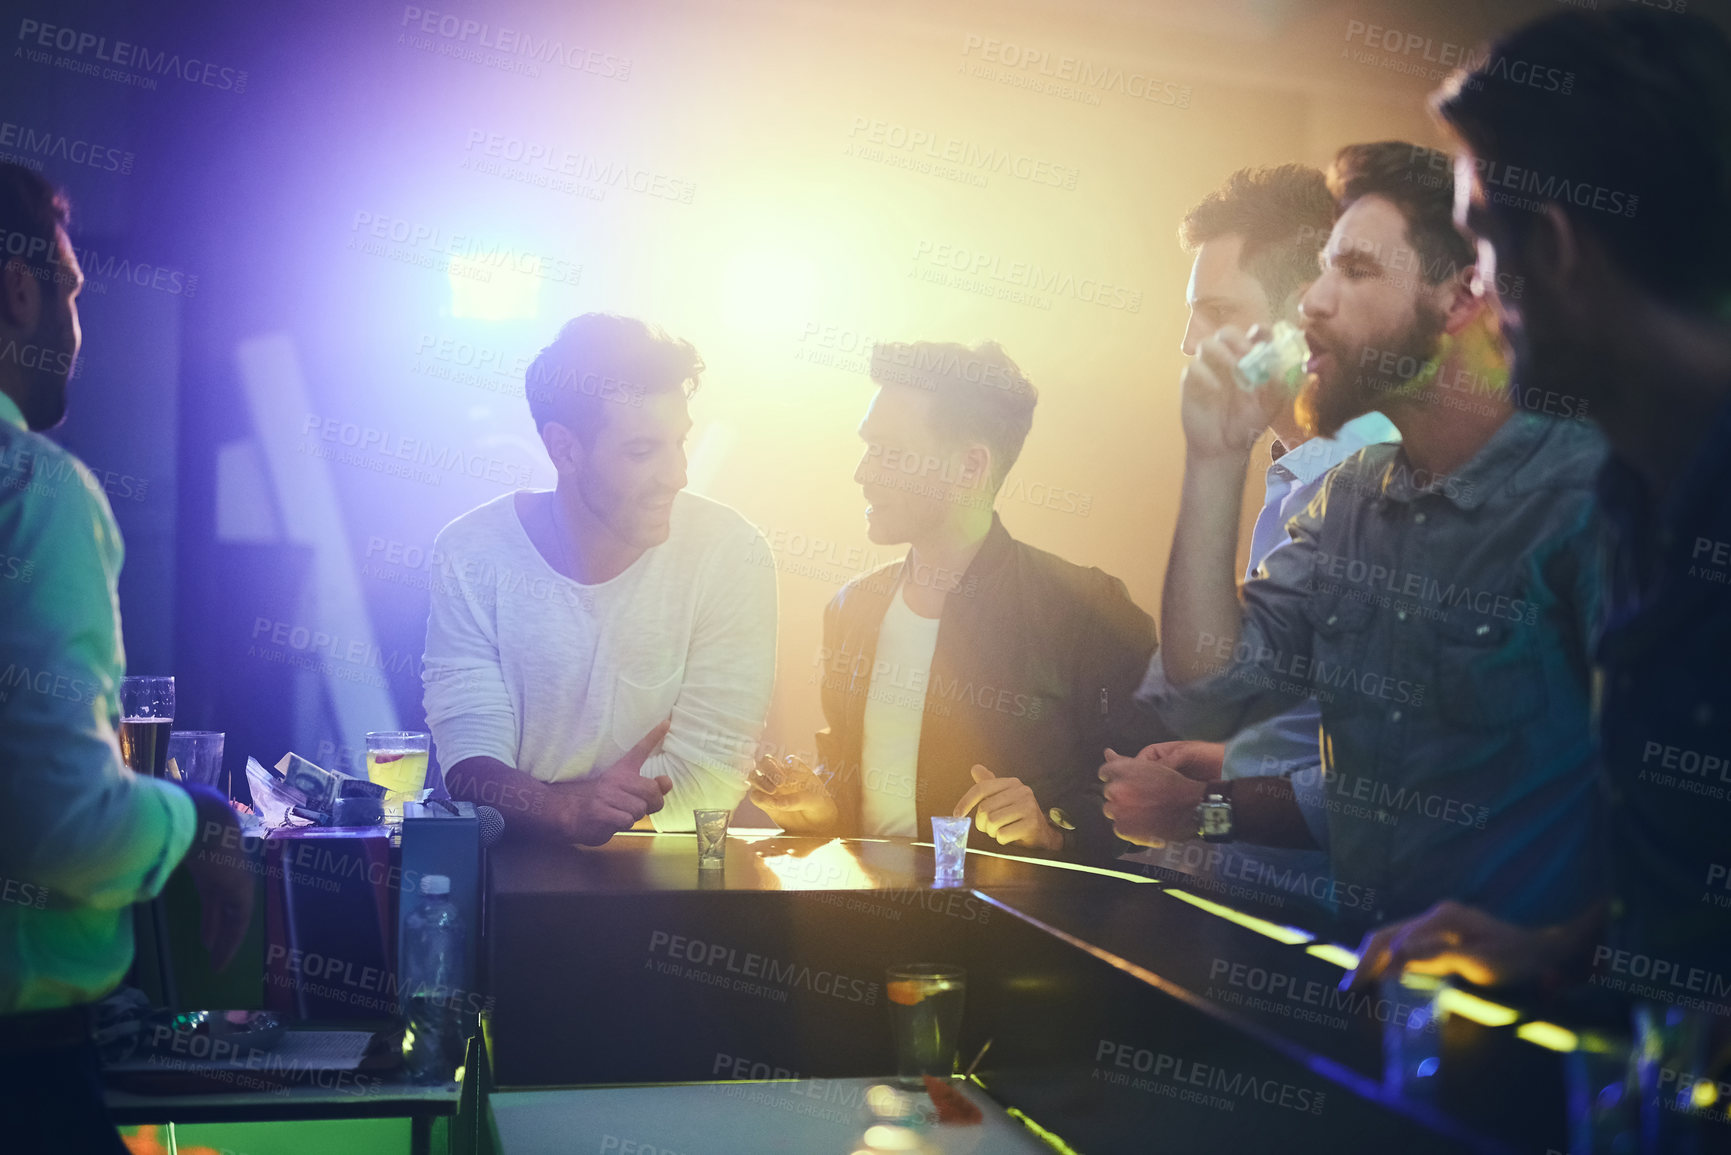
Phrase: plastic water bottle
(433, 984)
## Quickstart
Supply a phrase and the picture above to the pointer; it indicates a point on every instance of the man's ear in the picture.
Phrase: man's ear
(20, 296)
(977, 466)
(1462, 300)
(563, 447)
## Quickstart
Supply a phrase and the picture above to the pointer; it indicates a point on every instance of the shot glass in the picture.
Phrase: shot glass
(196, 756)
(711, 826)
(950, 842)
(925, 1003)
(1412, 1041)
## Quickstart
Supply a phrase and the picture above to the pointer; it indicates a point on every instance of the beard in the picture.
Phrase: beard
(43, 401)
(1326, 403)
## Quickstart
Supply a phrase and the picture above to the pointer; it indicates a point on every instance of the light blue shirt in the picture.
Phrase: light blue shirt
(82, 838)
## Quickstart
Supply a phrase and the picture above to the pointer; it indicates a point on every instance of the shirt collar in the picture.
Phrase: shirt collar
(1468, 487)
(1313, 458)
(10, 413)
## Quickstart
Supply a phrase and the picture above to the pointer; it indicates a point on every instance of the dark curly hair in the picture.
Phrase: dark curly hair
(1418, 181)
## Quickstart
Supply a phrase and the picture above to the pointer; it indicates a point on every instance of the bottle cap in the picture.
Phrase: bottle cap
(435, 884)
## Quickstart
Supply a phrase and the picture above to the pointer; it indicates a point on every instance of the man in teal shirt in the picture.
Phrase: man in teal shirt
(82, 838)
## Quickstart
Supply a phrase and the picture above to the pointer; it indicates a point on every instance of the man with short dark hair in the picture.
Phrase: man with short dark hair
(1433, 598)
(605, 651)
(1256, 242)
(82, 837)
(1611, 206)
(978, 675)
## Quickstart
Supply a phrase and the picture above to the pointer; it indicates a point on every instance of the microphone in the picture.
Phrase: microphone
(492, 825)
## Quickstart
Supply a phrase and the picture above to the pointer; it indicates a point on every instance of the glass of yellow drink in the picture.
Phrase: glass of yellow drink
(397, 760)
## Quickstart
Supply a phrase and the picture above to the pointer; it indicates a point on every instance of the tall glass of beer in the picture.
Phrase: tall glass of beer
(146, 714)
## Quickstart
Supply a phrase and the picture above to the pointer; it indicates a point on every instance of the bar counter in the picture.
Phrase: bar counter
(1111, 1008)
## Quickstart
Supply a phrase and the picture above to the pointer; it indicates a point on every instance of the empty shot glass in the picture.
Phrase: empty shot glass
(711, 826)
(950, 842)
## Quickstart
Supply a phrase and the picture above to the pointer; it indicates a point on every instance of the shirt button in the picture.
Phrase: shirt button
(1703, 714)
(1400, 614)
(1482, 630)
(1332, 618)
(1394, 717)
(1418, 519)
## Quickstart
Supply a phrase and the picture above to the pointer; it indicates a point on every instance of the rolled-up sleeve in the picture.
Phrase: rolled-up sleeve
(469, 708)
(74, 820)
(724, 697)
(1264, 672)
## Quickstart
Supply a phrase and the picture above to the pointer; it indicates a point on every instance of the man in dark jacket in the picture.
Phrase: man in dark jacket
(978, 675)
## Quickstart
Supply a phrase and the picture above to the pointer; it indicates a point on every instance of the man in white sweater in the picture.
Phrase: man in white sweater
(606, 650)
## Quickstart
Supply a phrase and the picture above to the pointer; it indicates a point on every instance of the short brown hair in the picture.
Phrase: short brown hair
(1284, 215)
(1418, 181)
(600, 357)
(978, 393)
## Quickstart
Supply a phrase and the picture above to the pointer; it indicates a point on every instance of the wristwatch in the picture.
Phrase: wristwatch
(1214, 813)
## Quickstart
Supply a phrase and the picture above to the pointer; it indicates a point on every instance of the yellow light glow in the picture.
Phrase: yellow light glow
(1077, 866)
(1468, 1006)
(1290, 935)
(1703, 1095)
(883, 1137)
(1052, 1140)
(831, 866)
(1338, 955)
(493, 291)
(1548, 1035)
(769, 293)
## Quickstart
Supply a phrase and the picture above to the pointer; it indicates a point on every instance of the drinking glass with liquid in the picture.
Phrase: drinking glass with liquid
(397, 760)
(146, 715)
(925, 1002)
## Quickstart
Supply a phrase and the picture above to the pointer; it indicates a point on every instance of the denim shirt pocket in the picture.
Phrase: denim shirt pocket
(1489, 673)
(1340, 613)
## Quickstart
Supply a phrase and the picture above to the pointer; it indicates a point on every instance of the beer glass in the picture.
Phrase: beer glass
(146, 714)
